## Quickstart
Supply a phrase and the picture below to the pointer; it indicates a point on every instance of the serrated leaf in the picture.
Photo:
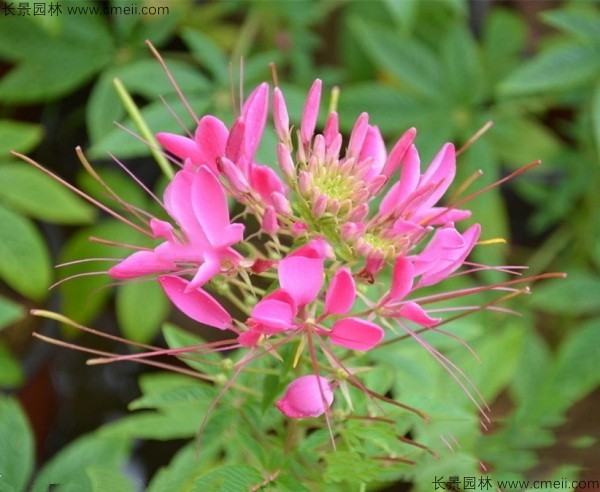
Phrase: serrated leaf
(24, 258)
(17, 457)
(208, 362)
(68, 467)
(558, 69)
(141, 309)
(150, 425)
(575, 295)
(229, 479)
(18, 136)
(347, 466)
(33, 193)
(9, 312)
(102, 479)
(182, 394)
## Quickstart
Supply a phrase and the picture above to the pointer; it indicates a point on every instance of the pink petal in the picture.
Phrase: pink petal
(357, 137)
(276, 312)
(331, 130)
(402, 279)
(280, 115)
(235, 142)
(254, 113)
(181, 147)
(163, 229)
(249, 338)
(140, 264)
(269, 222)
(446, 252)
(373, 147)
(341, 294)
(441, 172)
(398, 152)
(206, 271)
(177, 200)
(311, 112)
(316, 248)
(302, 277)
(415, 313)
(197, 304)
(356, 334)
(443, 215)
(407, 184)
(265, 181)
(210, 206)
(211, 138)
(307, 396)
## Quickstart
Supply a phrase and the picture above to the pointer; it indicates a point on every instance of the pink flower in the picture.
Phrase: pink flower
(231, 153)
(445, 253)
(301, 275)
(307, 396)
(197, 202)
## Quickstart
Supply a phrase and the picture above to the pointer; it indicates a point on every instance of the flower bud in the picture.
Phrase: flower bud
(307, 396)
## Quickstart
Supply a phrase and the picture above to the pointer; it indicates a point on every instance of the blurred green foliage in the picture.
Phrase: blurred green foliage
(408, 64)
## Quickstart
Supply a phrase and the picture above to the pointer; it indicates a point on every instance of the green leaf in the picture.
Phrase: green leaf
(575, 295)
(575, 371)
(144, 77)
(68, 467)
(209, 54)
(141, 309)
(52, 64)
(596, 117)
(408, 60)
(229, 479)
(582, 23)
(17, 457)
(24, 259)
(208, 362)
(18, 136)
(102, 479)
(33, 193)
(11, 374)
(183, 394)
(84, 297)
(504, 38)
(463, 77)
(9, 312)
(558, 69)
(157, 117)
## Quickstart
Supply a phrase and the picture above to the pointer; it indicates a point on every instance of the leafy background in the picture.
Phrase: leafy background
(446, 67)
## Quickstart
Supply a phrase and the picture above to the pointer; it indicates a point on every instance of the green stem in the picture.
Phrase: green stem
(143, 128)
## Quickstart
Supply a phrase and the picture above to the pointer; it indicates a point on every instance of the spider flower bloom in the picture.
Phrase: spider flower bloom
(335, 190)
(197, 202)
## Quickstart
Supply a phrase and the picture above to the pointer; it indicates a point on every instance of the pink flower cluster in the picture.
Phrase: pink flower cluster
(322, 235)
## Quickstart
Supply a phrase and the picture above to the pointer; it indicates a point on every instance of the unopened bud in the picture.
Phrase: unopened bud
(286, 164)
(233, 174)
